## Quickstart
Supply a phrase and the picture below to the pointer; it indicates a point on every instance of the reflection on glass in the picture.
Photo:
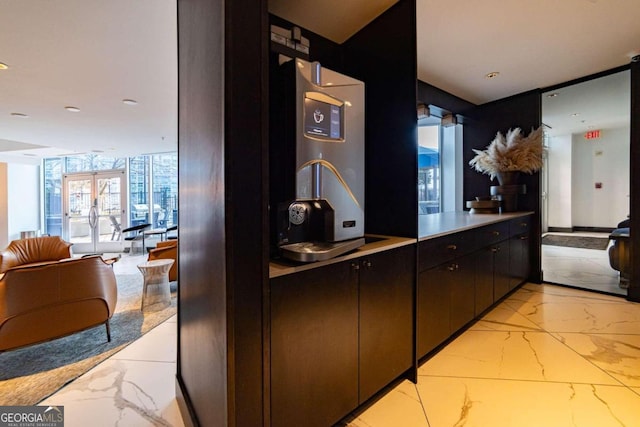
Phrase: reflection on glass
(428, 169)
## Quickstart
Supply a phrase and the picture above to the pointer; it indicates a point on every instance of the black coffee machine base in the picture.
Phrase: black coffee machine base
(319, 251)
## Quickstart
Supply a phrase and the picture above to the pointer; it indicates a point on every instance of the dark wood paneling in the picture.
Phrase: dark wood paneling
(634, 286)
(246, 195)
(481, 125)
(202, 347)
(223, 260)
(383, 55)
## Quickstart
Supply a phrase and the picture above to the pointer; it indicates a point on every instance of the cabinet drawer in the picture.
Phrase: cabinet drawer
(442, 249)
(520, 225)
(492, 233)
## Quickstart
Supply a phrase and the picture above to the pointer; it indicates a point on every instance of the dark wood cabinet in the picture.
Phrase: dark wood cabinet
(501, 270)
(386, 318)
(446, 301)
(314, 346)
(339, 334)
(461, 275)
(446, 292)
(519, 263)
(434, 308)
(462, 292)
(484, 291)
(492, 270)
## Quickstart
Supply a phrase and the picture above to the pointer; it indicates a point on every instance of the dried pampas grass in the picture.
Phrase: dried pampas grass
(513, 152)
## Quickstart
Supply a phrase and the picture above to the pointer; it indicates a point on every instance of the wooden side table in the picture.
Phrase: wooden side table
(155, 291)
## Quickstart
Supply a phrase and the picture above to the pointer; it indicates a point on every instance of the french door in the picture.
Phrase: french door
(94, 208)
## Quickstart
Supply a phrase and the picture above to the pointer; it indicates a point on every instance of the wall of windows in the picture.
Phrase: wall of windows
(152, 181)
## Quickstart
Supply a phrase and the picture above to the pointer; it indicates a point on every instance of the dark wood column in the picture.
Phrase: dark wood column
(634, 202)
(222, 191)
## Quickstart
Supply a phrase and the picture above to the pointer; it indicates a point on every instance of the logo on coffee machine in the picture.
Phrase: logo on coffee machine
(318, 117)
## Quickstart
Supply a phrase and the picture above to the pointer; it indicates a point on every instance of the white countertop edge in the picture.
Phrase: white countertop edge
(441, 224)
(277, 269)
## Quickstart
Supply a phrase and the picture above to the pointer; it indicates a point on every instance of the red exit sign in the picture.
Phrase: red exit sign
(592, 134)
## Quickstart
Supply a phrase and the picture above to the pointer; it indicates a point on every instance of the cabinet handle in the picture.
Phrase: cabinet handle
(524, 237)
(453, 267)
(495, 249)
(367, 263)
(452, 247)
(495, 233)
(523, 224)
(355, 266)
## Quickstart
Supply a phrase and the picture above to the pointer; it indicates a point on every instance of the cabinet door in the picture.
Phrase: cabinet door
(386, 318)
(462, 292)
(519, 259)
(434, 290)
(484, 278)
(314, 346)
(501, 275)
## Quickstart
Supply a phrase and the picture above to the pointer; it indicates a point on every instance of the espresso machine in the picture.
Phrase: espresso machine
(326, 217)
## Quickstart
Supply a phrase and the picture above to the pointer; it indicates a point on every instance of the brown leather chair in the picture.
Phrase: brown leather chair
(34, 250)
(40, 302)
(167, 250)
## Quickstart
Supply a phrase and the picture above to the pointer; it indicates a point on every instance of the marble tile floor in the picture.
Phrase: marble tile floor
(583, 268)
(546, 356)
(134, 387)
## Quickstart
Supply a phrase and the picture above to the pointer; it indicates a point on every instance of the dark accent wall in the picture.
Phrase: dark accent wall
(383, 55)
(432, 95)
(634, 286)
(223, 219)
(481, 125)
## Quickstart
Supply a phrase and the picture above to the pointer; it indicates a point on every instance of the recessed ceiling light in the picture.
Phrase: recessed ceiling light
(21, 115)
(3, 66)
(130, 101)
(492, 74)
(72, 109)
(553, 95)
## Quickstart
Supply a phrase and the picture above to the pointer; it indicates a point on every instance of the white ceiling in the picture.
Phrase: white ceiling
(91, 54)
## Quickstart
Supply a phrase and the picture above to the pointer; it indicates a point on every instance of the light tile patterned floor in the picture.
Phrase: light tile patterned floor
(546, 356)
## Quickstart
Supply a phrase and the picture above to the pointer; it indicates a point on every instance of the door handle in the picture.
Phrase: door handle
(93, 216)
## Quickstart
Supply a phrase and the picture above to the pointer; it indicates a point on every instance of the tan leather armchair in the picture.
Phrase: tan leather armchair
(167, 250)
(42, 302)
(34, 250)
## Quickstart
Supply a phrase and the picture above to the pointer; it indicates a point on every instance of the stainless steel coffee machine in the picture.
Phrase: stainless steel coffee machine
(326, 219)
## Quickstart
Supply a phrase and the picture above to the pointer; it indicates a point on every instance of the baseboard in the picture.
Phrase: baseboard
(184, 404)
(572, 229)
(560, 229)
(595, 229)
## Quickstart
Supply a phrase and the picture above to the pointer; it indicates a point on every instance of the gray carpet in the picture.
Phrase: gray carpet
(584, 242)
(30, 374)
